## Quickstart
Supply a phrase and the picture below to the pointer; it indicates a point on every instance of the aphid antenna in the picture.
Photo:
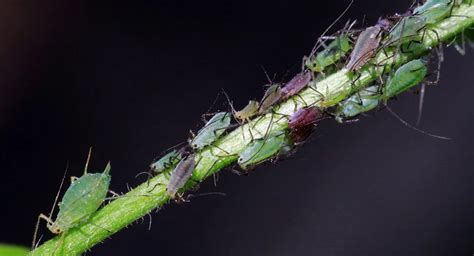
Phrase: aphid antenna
(413, 127)
(48, 218)
(229, 102)
(270, 81)
(182, 145)
(214, 102)
(318, 45)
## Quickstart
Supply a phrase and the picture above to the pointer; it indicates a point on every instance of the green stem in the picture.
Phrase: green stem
(328, 92)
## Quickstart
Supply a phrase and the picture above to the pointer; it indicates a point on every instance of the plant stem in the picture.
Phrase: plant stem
(326, 93)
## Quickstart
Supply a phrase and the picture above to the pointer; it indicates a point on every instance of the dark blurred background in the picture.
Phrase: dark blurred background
(131, 80)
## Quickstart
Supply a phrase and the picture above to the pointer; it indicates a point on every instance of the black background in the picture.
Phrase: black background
(131, 80)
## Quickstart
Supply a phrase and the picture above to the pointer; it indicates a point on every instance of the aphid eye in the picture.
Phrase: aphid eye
(240, 159)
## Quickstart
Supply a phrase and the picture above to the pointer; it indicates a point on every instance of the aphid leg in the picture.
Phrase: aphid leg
(189, 196)
(73, 179)
(353, 83)
(98, 226)
(316, 91)
(155, 186)
(420, 104)
(440, 53)
(44, 217)
(414, 128)
(88, 159)
(40, 217)
(461, 49)
(59, 244)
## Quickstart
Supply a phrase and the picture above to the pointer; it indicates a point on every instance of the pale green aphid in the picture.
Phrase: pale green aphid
(360, 102)
(407, 76)
(261, 150)
(337, 49)
(407, 29)
(167, 162)
(211, 131)
(248, 111)
(83, 197)
(434, 10)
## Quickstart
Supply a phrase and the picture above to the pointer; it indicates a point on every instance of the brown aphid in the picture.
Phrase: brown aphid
(248, 111)
(180, 175)
(365, 47)
(272, 95)
(296, 84)
(302, 123)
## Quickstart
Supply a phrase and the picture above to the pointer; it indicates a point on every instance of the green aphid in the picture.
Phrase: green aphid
(360, 102)
(83, 197)
(247, 112)
(213, 129)
(407, 76)
(435, 10)
(261, 150)
(406, 30)
(331, 55)
(167, 162)
(272, 96)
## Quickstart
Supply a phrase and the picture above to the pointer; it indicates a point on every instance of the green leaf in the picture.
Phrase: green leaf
(13, 250)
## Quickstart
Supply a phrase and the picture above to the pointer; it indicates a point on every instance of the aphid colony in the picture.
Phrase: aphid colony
(349, 49)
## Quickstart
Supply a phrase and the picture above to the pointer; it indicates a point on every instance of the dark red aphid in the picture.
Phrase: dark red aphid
(296, 84)
(302, 123)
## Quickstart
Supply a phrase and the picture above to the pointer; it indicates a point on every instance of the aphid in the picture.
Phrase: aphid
(263, 149)
(167, 161)
(272, 95)
(407, 29)
(365, 47)
(407, 76)
(211, 130)
(83, 197)
(180, 175)
(296, 84)
(337, 49)
(247, 112)
(435, 10)
(302, 123)
(360, 102)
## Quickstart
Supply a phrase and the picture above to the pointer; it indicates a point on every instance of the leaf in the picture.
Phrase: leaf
(13, 250)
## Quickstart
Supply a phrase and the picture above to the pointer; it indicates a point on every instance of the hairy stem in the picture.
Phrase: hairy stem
(326, 93)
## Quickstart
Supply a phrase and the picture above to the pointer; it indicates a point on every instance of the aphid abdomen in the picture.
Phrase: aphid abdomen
(358, 103)
(434, 10)
(407, 76)
(180, 175)
(296, 84)
(365, 47)
(272, 95)
(337, 49)
(83, 198)
(213, 129)
(166, 162)
(302, 123)
(261, 150)
(248, 111)
(407, 29)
